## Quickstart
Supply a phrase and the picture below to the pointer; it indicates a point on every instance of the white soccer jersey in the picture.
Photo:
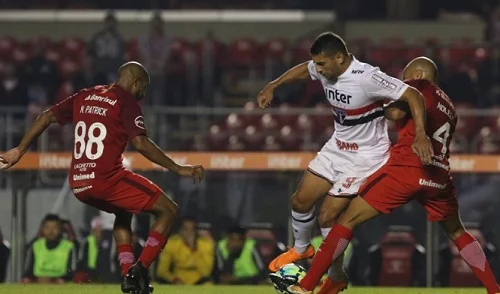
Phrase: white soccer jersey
(357, 103)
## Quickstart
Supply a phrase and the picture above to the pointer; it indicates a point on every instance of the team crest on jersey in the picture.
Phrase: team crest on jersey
(341, 114)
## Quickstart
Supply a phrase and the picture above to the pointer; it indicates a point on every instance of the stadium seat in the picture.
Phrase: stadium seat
(488, 142)
(300, 51)
(253, 138)
(236, 144)
(132, 52)
(7, 45)
(73, 48)
(218, 138)
(271, 144)
(285, 116)
(251, 115)
(269, 124)
(67, 68)
(398, 260)
(467, 125)
(275, 50)
(21, 53)
(234, 123)
(289, 140)
(242, 53)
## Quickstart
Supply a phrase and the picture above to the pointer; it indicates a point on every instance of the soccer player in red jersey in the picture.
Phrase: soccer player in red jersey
(405, 178)
(105, 119)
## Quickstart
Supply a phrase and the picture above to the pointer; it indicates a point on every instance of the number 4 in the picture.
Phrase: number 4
(441, 135)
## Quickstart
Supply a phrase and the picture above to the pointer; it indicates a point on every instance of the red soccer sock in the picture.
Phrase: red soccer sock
(473, 254)
(334, 244)
(153, 247)
(126, 257)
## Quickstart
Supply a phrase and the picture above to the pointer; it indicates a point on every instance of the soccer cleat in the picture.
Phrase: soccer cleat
(128, 285)
(290, 256)
(140, 276)
(296, 289)
(330, 287)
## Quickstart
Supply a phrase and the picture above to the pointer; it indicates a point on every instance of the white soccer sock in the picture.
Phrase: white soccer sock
(336, 270)
(303, 224)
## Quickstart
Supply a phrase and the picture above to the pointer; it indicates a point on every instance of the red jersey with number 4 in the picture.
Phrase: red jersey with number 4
(105, 118)
(441, 122)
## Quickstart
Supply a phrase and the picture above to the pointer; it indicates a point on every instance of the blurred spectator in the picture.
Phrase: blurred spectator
(42, 78)
(12, 91)
(87, 261)
(4, 257)
(238, 259)
(460, 86)
(488, 73)
(493, 27)
(154, 52)
(188, 258)
(50, 258)
(107, 50)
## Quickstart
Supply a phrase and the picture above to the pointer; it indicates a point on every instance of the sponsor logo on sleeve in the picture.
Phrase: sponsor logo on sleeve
(139, 122)
(378, 80)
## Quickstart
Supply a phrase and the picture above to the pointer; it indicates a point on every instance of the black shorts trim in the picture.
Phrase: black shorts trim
(375, 181)
(139, 186)
(319, 175)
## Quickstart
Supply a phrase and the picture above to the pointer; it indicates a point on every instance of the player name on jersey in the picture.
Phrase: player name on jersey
(251, 161)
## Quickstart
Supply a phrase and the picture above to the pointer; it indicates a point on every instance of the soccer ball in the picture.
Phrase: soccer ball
(289, 274)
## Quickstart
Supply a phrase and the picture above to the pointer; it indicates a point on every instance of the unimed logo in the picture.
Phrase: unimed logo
(227, 162)
(283, 162)
(55, 161)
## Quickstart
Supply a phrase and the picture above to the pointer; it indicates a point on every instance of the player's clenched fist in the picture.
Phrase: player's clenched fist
(195, 171)
(10, 158)
(422, 147)
(265, 96)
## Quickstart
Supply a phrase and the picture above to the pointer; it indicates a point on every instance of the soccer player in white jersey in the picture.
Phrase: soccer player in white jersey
(358, 147)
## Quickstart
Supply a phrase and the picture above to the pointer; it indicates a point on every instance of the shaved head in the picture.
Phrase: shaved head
(421, 68)
(133, 77)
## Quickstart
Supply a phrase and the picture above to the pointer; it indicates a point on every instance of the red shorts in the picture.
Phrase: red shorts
(129, 192)
(393, 186)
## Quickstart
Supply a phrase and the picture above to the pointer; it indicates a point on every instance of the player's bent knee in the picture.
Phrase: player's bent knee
(300, 204)
(165, 206)
(327, 218)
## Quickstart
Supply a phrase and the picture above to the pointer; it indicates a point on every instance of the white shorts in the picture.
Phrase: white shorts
(345, 170)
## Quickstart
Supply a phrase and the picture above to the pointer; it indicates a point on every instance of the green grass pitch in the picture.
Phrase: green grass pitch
(115, 289)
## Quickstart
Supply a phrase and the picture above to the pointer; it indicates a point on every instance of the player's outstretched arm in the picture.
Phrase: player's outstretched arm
(422, 145)
(296, 73)
(152, 152)
(40, 124)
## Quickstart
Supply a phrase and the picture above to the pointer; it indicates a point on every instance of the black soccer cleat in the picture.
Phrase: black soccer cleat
(128, 285)
(140, 277)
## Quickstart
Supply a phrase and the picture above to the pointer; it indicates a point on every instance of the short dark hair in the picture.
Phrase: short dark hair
(237, 230)
(329, 43)
(189, 219)
(51, 217)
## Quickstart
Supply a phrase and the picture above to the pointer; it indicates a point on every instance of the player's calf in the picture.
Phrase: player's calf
(471, 251)
(166, 212)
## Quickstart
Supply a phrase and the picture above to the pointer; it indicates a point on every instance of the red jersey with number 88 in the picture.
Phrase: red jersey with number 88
(104, 118)
(441, 122)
